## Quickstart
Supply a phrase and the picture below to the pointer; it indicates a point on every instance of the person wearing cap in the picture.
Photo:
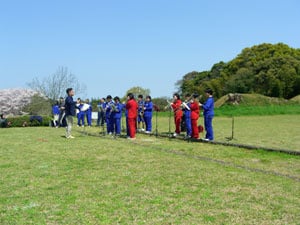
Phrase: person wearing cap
(195, 111)
(208, 108)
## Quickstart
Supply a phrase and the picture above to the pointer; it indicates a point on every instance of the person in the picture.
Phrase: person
(141, 121)
(70, 107)
(132, 108)
(148, 111)
(89, 112)
(62, 115)
(101, 112)
(55, 112)
(3, 122)
(195, 111)
(208, 113)
(80, 114)
(176, 106)
(187, 115)
(108, 109)
(117, 116)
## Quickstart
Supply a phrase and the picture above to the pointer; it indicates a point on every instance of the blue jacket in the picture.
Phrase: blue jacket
(118, 113)
(70, 106)
(208, 107)
(108, 108)
(55, 110)
(148, 109)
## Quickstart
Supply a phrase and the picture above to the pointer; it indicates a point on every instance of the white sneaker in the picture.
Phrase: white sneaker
(147, 132)
(70, 137)
(142, 129)
(175, 134)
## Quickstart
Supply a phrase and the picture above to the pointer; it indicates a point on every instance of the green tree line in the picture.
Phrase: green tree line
(269, 69)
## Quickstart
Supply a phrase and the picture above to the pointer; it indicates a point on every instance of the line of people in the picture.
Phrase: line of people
(139, 114)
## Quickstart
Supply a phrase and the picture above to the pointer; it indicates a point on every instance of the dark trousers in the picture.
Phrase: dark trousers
(208, 127)
(148, 122)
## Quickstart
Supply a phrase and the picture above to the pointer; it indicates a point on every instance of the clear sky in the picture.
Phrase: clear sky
(114, 45)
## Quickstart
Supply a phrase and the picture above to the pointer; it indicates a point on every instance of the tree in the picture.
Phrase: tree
(55, 85)
(138, 91)
(39, 105)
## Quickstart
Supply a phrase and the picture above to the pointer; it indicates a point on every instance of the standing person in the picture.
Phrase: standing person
(148, 111)
(70, 107)
(101, 113)
(62, 113)
(55, 112)
(89, 112)
(108, 111)
(176, 106)
(80, 113)
(195, 111)
(132, 108)
(187, 113)
(208, 108)
(117, 116)
(141, 121)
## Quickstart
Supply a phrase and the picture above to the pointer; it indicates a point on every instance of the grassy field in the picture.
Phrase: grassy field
(274, 131)
(46, 179)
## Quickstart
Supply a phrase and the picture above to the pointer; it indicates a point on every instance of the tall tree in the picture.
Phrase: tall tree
(55, 85)
(138, 91)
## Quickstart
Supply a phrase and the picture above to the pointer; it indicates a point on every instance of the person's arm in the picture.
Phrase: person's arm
(208, 104)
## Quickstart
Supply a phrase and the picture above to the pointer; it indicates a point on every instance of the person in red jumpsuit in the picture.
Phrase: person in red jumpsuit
(131, 108)
(195, 111)
(176, 106)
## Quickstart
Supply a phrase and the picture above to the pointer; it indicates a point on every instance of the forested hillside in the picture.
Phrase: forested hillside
(268, 69)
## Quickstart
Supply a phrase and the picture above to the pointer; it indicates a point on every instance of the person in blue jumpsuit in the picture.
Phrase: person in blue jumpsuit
(117, 116)
(148, 112)
(88, 113)
(108, 111)
(208, 108)
(80, 114)
(140, 119)
(187, 114)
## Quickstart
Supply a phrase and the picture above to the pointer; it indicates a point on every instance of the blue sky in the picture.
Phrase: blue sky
(114, 45)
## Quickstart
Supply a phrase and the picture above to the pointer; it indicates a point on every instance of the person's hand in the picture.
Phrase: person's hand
(200, 104)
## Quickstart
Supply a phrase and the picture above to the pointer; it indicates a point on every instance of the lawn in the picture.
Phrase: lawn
(46, 179)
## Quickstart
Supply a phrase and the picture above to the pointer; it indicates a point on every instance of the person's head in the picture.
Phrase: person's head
(78, 100)
(56, 103)
(140, 97)
(209, 92)
(187, 96)
(87, 101)
(130, 96)
(117, 99)
(70, 92)
(108, 98)
(148, 98)
(195, 97)
(176, 96)
(61, 99)
(102, 100)
(1, 116)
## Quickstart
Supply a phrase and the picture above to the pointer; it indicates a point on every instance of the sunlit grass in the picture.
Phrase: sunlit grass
(46, 179)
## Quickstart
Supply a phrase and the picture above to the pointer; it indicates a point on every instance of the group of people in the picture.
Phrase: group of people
(139, 114)
(189, 110)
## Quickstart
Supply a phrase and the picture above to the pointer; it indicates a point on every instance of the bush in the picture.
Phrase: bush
(24, 121)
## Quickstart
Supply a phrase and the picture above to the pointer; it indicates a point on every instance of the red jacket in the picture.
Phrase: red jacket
(195, 110)
(177, 108)
(132, 108)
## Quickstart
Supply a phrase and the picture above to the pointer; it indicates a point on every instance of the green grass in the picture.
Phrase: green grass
(277, 131)
(46, 179)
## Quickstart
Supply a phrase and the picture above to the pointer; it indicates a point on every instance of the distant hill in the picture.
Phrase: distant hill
(13, 100)
(269, 69)
(251, 100)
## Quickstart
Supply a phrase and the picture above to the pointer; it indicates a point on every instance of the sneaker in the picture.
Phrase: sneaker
(142, 129)
(70, 137)
(132, 139)
(175, 135)
(147, 132)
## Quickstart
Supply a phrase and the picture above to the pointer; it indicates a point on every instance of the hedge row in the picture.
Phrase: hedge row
(24, 121)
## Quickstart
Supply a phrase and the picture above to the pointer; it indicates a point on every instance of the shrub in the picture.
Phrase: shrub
(23, 121)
